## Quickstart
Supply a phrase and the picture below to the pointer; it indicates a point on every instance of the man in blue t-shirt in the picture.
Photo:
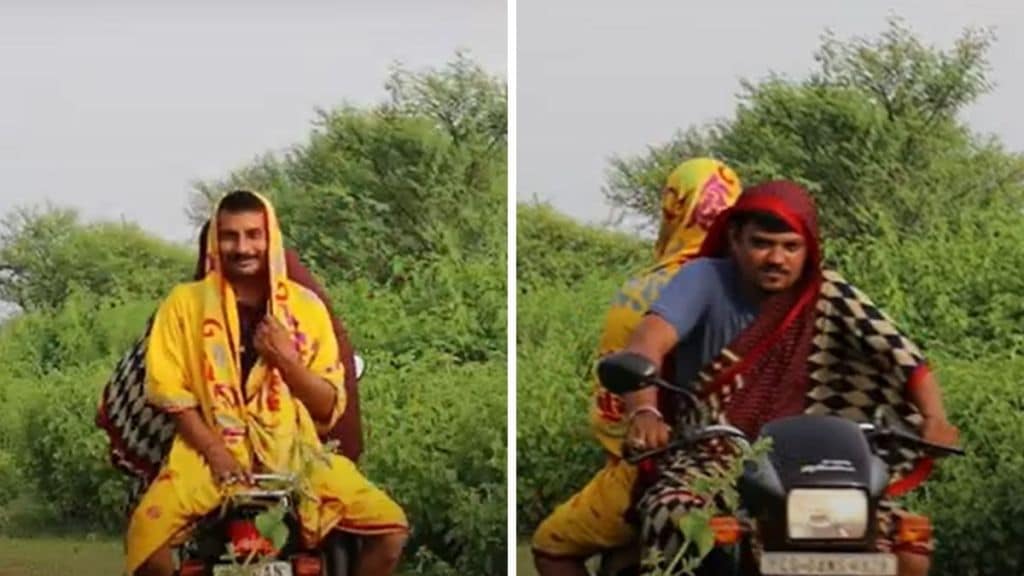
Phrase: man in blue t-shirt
(746, 325)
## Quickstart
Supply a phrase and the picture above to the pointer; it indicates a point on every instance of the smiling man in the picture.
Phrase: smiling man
(246, 363)
(762, 331)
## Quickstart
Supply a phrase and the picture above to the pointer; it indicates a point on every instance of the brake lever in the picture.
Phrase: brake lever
(943, 450)
(637, 457)
(689, 438)
(913, 439)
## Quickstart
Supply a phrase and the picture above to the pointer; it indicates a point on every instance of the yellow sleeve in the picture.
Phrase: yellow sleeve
(325, 362)
(168, 385)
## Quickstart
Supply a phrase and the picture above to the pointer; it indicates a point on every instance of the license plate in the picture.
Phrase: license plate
(268, 569)
(816, 564)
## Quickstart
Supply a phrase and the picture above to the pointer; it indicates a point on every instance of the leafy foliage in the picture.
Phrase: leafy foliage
(399, 209)
(47, 254)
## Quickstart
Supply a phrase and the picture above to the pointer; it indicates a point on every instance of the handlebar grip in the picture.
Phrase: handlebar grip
(914, 440)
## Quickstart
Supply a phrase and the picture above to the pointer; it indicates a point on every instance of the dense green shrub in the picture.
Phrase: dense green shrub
(65, 455)
(436, 438)
(974, 500)
(557, 331)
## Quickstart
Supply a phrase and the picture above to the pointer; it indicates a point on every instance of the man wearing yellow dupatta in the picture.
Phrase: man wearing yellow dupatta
(594, 519)
(246, 362)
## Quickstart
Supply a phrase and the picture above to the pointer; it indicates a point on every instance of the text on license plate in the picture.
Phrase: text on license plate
(820, 564)
(269, 569)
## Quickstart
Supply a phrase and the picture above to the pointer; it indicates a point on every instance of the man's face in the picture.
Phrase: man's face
(242, 240)
(771, 261)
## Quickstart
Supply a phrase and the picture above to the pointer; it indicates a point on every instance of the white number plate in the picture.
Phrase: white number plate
(815, 564)
(269, 569)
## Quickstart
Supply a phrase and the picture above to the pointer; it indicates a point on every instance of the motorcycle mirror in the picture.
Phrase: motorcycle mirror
(360, 366)
(625, 372)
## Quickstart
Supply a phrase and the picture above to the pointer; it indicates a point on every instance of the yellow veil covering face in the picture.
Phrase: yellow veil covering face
(694, 193)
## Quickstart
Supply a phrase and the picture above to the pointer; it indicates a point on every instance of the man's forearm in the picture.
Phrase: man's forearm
(313, 391)
(189, 423)
(926, 395)
(652, 339)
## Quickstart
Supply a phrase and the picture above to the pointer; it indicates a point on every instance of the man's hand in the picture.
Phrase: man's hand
(208, 443)
(938, 430)
(225, 468)
(647, 431)
(274, 343)
(928, 399)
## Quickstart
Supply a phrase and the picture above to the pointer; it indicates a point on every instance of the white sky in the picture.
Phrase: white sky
(115, 106)
(603, 78)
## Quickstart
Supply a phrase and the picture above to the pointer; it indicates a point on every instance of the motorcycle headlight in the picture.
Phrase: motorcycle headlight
(827, 514)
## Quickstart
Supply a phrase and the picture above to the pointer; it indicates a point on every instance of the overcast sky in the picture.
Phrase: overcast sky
(115, 106)
(600, 78)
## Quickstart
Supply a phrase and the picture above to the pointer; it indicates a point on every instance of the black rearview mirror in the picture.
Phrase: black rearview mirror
(625, 372)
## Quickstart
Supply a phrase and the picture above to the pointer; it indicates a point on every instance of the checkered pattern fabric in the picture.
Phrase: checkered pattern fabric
(140, 435)
(859, 361)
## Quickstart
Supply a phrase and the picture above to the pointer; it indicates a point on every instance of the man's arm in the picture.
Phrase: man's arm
(926, 395)
(679, 308)
(167, 388)
(313, 391)
(653, 339)
(274, 344)
(936, 428)
(189, 423)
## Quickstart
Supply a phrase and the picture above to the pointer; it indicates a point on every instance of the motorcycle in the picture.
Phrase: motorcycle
(230, 536)
(812, 501)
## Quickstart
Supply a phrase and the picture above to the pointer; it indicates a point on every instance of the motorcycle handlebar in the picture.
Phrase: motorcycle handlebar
(686, 393)
(874, 433)
(703, 434)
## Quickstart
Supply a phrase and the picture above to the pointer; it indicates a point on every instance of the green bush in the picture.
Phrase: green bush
(557, 332)
(436, 440)
(65, 455)
(49, 253)
(552, 248)
(10, 478)
(950, 287)
(974, 501)
(82, 330)
(452, 307)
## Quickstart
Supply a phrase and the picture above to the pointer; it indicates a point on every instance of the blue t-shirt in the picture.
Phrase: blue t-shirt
(704, 305)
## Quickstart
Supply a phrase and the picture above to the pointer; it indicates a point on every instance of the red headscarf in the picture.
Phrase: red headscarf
(774, 349)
